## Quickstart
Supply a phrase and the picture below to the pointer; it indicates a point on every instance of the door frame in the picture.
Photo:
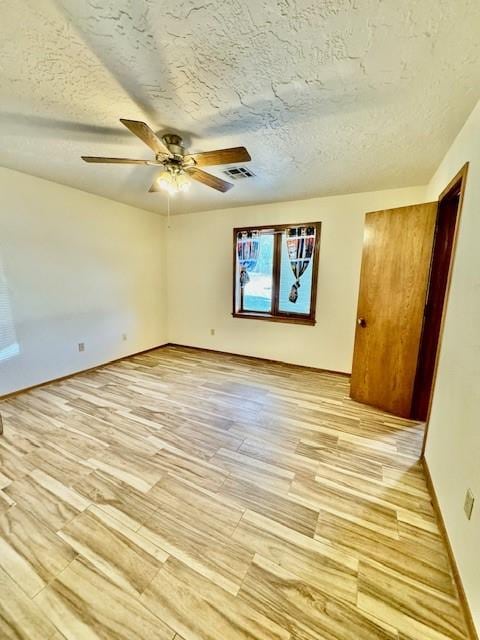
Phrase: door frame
(456, 184)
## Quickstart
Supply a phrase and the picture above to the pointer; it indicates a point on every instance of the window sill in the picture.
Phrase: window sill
(270, 318)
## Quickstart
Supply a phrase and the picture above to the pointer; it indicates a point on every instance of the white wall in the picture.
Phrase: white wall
(76, 268)
(453, 444)
(200, 279)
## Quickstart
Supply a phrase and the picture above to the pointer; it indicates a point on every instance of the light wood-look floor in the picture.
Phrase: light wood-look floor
(189, 495)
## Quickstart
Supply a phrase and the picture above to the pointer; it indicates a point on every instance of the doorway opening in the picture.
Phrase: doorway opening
(448, 215)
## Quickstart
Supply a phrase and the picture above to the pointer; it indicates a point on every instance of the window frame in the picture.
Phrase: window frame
(275, 315)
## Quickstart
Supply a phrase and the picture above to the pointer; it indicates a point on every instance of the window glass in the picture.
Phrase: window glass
(257, 292)
(287, 280)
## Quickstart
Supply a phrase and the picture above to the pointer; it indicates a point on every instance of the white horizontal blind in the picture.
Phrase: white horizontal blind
(8, 339)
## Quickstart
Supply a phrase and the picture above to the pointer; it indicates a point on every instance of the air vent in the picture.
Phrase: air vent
(238, 173)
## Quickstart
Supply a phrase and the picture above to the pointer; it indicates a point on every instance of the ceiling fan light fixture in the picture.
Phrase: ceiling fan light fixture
(166, 183)
(183, 183)
(172, 182)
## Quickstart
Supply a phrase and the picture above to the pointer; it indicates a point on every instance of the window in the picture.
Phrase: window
(275, 272)
(9, 346)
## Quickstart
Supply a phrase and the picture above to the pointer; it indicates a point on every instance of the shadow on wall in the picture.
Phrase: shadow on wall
(9, 346)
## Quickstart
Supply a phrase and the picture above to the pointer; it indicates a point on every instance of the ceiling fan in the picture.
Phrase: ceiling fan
(177, 166)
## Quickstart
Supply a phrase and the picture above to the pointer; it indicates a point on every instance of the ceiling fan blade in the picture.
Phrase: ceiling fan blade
(208, 179)
(114, 160)
(143, 131)
(155, 187)
(221, 156)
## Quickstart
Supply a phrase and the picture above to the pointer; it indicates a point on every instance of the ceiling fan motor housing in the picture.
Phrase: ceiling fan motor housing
(174, 144)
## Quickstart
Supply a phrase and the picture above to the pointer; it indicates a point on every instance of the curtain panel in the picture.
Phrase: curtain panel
(300, 247)
(248, 245)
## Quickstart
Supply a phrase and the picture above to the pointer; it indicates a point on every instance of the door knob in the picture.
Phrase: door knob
(362, 322)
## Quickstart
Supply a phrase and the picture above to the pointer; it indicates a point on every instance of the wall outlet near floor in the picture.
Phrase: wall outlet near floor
(212, 332)
(469, 502)
(81, 346)
(124, 337)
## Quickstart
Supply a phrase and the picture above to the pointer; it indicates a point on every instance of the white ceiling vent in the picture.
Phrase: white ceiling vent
(238, 173)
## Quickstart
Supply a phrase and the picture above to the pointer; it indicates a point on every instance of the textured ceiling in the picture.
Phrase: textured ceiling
(329, 96)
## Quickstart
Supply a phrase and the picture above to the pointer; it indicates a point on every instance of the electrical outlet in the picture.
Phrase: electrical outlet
(469, 502)
(124, 337)
(81, 346)
(212, 332)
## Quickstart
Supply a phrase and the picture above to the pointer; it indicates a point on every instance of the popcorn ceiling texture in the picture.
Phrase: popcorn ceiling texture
(332, 96)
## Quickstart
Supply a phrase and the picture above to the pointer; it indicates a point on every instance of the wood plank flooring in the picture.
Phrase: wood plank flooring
(187, 495)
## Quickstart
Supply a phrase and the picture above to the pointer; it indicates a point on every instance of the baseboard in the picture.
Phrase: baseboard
(456, 574)
(76, 373)
(167, 344)
(258, 359)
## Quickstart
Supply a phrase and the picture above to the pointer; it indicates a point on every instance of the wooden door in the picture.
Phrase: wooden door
(397, 252)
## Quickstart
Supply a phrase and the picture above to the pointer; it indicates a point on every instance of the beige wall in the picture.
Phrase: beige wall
(74, 267)
(200, 279)
(453, 445)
